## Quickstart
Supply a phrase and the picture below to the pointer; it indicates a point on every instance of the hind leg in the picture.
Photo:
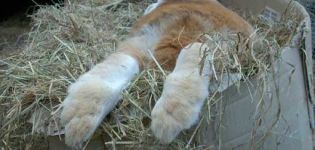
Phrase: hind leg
(97, 92)
(94, 95)
(184, 92)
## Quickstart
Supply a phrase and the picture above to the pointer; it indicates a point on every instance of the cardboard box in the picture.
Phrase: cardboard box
(286, 121)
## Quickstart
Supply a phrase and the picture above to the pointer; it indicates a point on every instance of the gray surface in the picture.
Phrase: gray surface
(292, 130)
(310, 6)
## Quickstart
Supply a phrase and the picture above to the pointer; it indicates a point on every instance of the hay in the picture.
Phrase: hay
(66, 42)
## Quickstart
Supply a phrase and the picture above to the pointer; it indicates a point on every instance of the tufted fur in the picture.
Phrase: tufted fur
(170, 31)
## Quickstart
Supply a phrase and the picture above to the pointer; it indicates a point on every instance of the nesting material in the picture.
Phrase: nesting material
(66, 42)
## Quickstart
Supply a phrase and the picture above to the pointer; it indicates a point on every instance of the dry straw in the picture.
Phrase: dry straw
(67, 41)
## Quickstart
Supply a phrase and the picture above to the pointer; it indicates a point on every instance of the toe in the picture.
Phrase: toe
(165, 127)
(78, 130)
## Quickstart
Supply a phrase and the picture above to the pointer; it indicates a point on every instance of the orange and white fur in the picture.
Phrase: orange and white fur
(169, 31)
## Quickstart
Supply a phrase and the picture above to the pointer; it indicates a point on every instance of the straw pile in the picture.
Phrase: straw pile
(67, 41)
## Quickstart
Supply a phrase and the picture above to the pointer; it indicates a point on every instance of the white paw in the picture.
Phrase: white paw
(170, 118)
(183, 95)
(84, 109)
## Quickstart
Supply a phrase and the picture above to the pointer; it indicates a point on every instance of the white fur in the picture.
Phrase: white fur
(94, 95)
(153, 6)
(183, 95)
(146, 39)
(119, 68)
